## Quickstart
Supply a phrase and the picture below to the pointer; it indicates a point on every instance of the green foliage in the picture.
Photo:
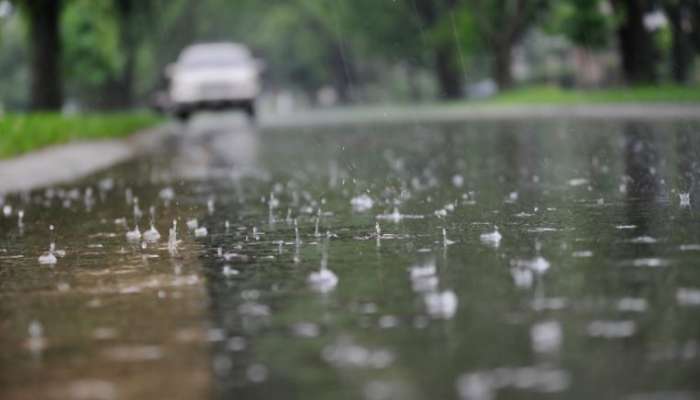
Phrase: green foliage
(584, 22)
(14, 81)
(91, 44)
(301, 57)
(306, 44)
(25, 132)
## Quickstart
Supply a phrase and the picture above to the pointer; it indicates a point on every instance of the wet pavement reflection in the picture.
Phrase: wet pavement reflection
(478, 260)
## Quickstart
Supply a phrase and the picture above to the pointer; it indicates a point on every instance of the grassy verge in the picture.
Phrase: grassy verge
(20, 133)
(555, 95)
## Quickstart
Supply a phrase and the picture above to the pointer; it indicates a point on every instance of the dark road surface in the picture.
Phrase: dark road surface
(461, 260)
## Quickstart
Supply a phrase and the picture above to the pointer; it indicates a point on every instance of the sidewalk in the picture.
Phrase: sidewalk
(71, 161)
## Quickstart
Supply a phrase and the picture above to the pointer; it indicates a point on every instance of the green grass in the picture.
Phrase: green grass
(555, 95)
(20, 133)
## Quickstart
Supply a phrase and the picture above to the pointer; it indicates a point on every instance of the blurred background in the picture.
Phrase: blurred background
(112, 54)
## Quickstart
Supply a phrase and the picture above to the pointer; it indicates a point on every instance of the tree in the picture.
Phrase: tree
(130, 23)
(46, 91)
(450, 77)
(15, 79)
(584, 23)
(679, 14)
(91, 54)
(638, 53)
(502, 24)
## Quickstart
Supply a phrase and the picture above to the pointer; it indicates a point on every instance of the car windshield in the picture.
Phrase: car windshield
(213, 56)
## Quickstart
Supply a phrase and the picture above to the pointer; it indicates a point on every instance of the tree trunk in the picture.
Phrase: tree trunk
(449, 76)
(343, 72)
(123, 94)
(45, 42)
(502, 63)
(682, 46)
(637, 51)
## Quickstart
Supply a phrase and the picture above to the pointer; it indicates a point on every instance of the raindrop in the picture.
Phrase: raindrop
(323, 280)
(484, 385)
(538, 264)
(631, 304)
(546, 336)
(441, 305)
(134, 235)
(378, 232)
(236, 343)
(578, 182)
(492, 239)
(612, 329)
(210, 205)
(167, 194)
(622, 227)
(257, 373)
(362, 203)
(49, 258)
(296, 233)
(37, 341)
(396, 216)
(318, 221)
(172, 239)
(306, 329)
(688, 296)
(582, 254)
(137, 211)
(441, 213)
(228, 271)
(445, 241)
(522, 277)
(151, 235)
(424, 278)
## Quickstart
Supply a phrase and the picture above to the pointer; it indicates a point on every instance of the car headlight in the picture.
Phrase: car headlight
(183, 90)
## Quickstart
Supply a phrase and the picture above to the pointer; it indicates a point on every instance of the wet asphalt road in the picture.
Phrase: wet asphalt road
(474, 260)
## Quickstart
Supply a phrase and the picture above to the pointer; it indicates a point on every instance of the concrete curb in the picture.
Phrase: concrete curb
(476, 112)
(75, 160)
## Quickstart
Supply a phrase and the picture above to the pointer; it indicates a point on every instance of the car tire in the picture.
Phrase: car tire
(249, 109)
(183, 115)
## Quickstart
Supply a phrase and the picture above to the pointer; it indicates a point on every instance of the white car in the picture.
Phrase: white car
(214, 76)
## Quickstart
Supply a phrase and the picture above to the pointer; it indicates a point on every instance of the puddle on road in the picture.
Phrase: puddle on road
(472, 261)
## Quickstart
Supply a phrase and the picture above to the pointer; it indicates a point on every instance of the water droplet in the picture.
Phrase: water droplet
(612, 329)
(546, 336)
(134, 235)
(323, 280)
(362, 203)
(441, 305)
(492, 239)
